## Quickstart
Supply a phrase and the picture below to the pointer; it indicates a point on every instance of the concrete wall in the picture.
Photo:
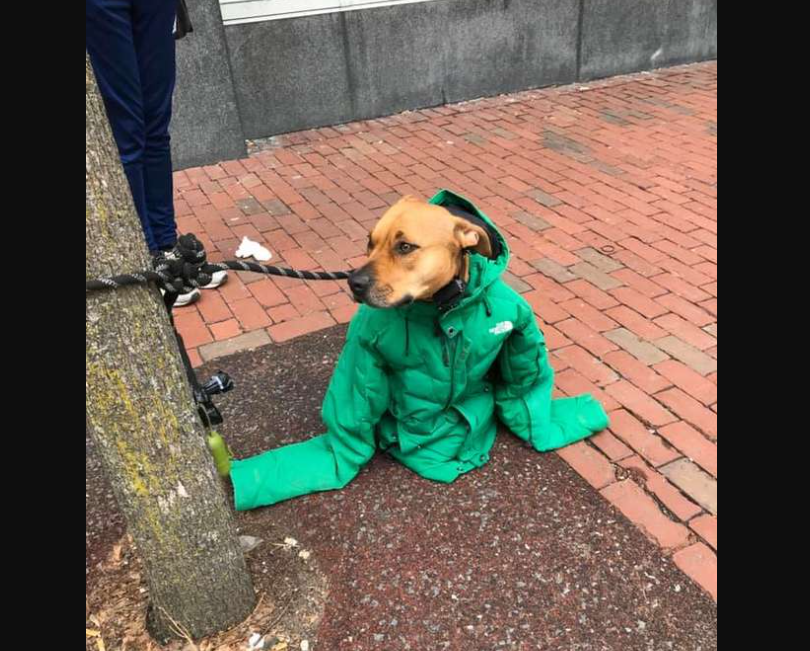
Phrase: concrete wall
(327, 69)
(621, 36)
(206, 126)
(338, 67)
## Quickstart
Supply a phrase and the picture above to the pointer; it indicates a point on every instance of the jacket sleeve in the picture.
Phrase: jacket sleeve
(357, 398)
(524, 393)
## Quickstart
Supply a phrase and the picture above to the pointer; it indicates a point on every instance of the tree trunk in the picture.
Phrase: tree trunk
(141, 414)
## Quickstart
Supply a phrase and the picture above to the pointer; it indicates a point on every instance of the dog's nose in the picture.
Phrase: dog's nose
(359, 282)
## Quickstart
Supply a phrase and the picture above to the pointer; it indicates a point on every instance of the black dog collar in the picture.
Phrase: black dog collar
(449, 296)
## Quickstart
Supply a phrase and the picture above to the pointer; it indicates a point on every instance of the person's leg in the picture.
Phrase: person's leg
(153, 23)
(110, 43)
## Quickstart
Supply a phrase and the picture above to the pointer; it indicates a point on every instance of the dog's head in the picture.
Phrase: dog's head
(415, 250)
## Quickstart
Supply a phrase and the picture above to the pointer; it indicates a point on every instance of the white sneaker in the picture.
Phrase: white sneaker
(186, 299)
(218, 279)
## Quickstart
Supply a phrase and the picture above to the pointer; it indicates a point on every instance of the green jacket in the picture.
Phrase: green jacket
(427, 389)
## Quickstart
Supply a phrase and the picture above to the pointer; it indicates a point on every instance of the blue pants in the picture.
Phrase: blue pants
(132, 48)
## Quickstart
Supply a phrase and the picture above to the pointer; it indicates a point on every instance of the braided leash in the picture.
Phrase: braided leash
(188, 269)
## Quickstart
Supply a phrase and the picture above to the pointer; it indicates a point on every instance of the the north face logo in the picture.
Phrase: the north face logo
(502, 328)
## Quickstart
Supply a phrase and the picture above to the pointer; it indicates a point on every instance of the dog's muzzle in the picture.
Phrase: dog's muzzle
(360, 283)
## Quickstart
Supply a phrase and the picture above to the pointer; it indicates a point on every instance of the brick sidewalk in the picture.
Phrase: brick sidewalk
(608, 195)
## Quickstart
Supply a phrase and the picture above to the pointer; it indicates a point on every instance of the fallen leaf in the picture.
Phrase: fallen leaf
(100, 644)
(91, 632)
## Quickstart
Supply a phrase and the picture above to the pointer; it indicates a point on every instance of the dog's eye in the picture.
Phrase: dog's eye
(404, 248)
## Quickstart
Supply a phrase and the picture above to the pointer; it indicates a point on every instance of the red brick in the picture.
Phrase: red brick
(635, 323)
(639, 403)
(549, 288)
(595, 319)
(310, 241)
(688, 332)
(181, 208)
(556, 253)
(222, 200)
(572, 383)
(267, 293)
(548, 311)
(305, 211)
(681, 288)
(586, 337)
(226, 329)
(637, 264)
(194, 357)
(326, 287)
(213, 307)
(700, 564)
(345, 247)
(596, 276)
(301, 326)
(217, 230)
(196, 198)
(687, 310)
(554, 338)
(636, 372)
(279, 241)
(250, 314)
(640, 303)
(589, 463)
(610, 446)
(666, 493)
(639, 283)
(710, 306)
(325, 228)
(283, 313)
(191, 327)
(642, 510)
(693, 445)
(689, 381)
(520, 268)
(353, 230)
(304, 300)
(645, 252)
(592, 294)
(234, 289)
(588, 365)
(233, 168)
(708, 252)
(299, 259)
(247, 230)
(698, 485)
(264, 222)
(649, 445)
(338, 300)
(706, 527)
(345, 313)
(692, 274)
(690, 410)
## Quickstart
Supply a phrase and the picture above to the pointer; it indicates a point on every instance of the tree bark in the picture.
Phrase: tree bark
(141, 414)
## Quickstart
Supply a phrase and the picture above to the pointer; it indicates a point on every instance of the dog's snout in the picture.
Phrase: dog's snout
(359, 282)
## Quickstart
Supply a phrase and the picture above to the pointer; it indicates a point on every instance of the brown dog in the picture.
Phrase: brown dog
(416, 249)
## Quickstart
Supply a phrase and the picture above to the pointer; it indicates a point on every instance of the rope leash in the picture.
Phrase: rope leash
(186, 268)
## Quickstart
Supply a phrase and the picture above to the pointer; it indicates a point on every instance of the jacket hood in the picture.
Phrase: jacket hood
(483, 271)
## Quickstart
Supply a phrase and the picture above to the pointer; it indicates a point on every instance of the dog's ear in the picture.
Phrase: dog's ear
(473, 238)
